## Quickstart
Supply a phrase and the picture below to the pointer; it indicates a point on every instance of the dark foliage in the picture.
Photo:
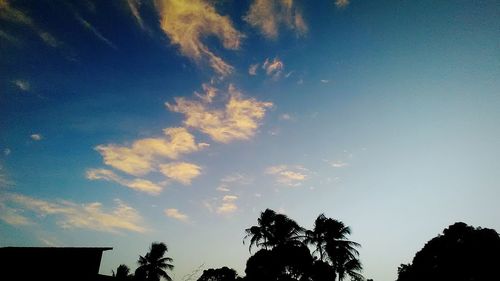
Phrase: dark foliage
(461, 253)
(219, 274)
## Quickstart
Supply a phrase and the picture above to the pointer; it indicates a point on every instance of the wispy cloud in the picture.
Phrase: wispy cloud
(238, 120)
(268, 15)
(187, 22)
(13, 216)
(182, 172)
(273, 68)
(252, 69)
(36, 137)
(14, 15)
(142, 185)
(22, 85)
(6, 152)
(288, 175)
(141, 157)
(176, 214)
(94, 31)
(342, 3)
(324, 81)
(134, 6)
(71, 215)
(232, 180)
(223, 188)
(338, 164)
(222, 206)
(286, 117)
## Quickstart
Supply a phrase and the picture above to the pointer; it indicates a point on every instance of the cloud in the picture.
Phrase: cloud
(136, 184)
(252, 69)
(22, 85)
(324, 81)
(268, 15)
(224, 206)
(36, 137)
(238, 120)
(182, 172)
(140, 158)
(176, 214)
(286, 117)
(288, 175)
(338, 164)
(228, 205)
(12, 216)
(11, 14)
(134, 6)
(273, 68)
(187, 22)
(237, 178)
(342, 3)
(6, 152)
(223, 188)
(94, 31)
(70, 215)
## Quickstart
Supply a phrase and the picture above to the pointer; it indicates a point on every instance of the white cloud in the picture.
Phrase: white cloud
(273, 68)
(288, 175)
(252, 70)
(176, 214)
(12, 216)
(238, 120)
(6, 152)
(342, 3)
(94, 31)
(141, 157)
(187, 22)
(22, 85)
(286, 117)
(228, 205)
(223, 188)
(182, 172)
(225, 206)
(36, 137)
(136, 184)
(70, 215)
(324, 81)
(268, 15)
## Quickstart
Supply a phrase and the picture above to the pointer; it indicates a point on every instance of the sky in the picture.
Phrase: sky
(128, 122)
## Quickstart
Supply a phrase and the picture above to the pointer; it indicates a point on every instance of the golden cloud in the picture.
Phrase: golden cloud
(136, 184)
(342, 3)
(182, 172)
(288, 175)
(87, 216)
(268, 15)
(140, 157)
(176, 214)
(187, 22)
(238, 120)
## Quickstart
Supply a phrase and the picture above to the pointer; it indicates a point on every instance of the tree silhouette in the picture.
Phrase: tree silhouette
(461, 253)
(122, 273)
(329, 238)
(273, 229)
(219, 274)
(152, 266)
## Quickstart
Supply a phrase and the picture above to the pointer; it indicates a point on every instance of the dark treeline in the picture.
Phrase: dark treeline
(288, 252)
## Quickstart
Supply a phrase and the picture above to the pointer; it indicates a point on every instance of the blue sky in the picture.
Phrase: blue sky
(128, 122)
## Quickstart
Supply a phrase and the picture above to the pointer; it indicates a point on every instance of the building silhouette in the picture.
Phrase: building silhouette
(51, 263)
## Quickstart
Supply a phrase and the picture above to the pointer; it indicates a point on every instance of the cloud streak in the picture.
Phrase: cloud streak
(268, 15)
(70, 215)
(238, 120)
(141, 185)
(188, 22)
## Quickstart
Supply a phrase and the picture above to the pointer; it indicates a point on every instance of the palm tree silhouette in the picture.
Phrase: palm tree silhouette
(272, 230)
(152, 266)
(122, 272)
(330, 239)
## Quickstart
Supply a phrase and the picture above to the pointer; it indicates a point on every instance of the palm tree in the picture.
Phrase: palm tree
(273, 229)
(122, 272)
(152, 266)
